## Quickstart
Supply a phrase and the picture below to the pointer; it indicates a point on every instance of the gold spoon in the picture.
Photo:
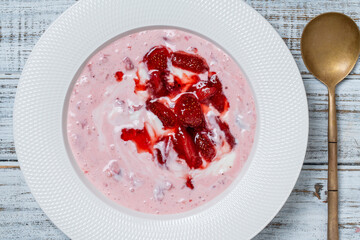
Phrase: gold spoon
(330, 46)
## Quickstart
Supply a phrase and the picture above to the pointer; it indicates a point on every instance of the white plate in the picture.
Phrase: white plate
(281, 134)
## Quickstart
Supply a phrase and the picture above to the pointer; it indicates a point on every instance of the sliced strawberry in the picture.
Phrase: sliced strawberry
(157, 58)
(138, 85)
(156, 86)
(190, 62)
(205, 146)
(173, 88)
(185, 147)
(159, 156)
(202, 90)
(166, 116)
(214, 81)
(140, 137)
(225, 128)
(162, 154)
(189, 183)
(220, 102)
(189, 111)
(119, 76)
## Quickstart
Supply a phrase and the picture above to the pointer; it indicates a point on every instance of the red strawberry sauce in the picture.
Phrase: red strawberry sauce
(161, 121)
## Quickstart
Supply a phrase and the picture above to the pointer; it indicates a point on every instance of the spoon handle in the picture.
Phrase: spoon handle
(333, 228)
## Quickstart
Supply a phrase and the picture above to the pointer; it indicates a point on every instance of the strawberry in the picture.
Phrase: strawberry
(140, 137)
(166, 116)
(173, 88)
(185, 147)
(157, 58)
(213, 81)
(189, 111)
(190, 62)
(205, 146)
(225, 128)
(189, 183)
(161, 156)
(119, 76)
(220, 102)
(156, 84)
(202, 90)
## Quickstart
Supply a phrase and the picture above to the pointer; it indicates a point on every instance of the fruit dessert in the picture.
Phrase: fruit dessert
(161, 121)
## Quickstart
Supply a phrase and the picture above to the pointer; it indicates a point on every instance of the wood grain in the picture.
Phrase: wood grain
(304, 215)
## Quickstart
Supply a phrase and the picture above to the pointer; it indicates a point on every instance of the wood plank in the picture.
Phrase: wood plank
(8, 84)
(348, 101)
(23, 22)
(20, 215)
(302, 217)
(289, 18)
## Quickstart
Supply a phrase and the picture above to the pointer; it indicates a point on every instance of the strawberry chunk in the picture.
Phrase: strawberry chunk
(119, 76)
(166, 116)
(161, 152)
(190, 62)
(220, 102)
(202, 90)
(225, 128)
(214, 81)
(185, 147)
(157, 58)
(159, 156)
(189, 111)
(205, 146)
(140, 137)
(189, 183)
(156, 85)
(173, 88)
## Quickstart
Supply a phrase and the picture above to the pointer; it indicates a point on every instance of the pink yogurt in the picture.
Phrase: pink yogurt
(100, 107)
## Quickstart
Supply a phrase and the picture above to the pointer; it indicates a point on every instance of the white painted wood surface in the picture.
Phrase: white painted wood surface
(303, 216)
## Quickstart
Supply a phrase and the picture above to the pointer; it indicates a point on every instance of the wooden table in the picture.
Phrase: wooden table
(303, 216)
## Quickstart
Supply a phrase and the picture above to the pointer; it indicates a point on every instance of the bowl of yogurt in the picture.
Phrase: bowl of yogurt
(161, 121)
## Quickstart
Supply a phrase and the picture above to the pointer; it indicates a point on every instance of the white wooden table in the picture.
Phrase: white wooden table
(304, 215)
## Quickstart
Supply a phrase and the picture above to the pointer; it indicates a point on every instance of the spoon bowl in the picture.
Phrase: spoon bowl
(330, 47)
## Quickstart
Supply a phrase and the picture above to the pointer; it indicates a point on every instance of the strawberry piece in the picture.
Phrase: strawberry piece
(220, 102)
(185, 147)
(190, 62)
(157, 58)
(205, 146)
(225, 128)
(161, 155)
(214, 81)
(156, 86)
(218, 99)
(173, 88)
(189, 183)
(128, 64)
(138, 85)
(189, 111)
(202, 91)
(140, 137)
(166, 116)
(119, 76)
